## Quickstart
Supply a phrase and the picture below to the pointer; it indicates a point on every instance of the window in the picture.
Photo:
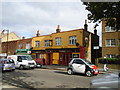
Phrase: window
(41, 56)
(20, 46)
(119, 42)
(75, 55)
(27, 45)
(110, 56)
(47, 43)
(37, 43)
(58, 41)
(78, 61)
(110, 42)
(109, 29)
(72, 40)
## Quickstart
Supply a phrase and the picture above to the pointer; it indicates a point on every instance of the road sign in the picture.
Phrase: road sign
(95, 47)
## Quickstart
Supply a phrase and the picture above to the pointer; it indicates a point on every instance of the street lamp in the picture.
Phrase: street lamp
(7, 39)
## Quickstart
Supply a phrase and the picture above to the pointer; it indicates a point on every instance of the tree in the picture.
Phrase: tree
(110, 11)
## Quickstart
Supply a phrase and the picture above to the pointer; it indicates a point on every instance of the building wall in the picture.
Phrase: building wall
(58, 54)
(12, 36)
(94, 43)
(0, 45)
(113, 50)
(63, 35)
(12, 46)
(24, 42)
(63, 53)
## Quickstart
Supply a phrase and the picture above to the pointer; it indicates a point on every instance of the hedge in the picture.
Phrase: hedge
(110, 60)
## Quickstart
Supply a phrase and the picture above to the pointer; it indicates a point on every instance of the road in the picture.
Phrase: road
(44, 78)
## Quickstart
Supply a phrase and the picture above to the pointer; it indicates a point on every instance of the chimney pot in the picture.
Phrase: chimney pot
(95, 31)
(58, 29)
(23, 37)
(85, 25)
(38, 33)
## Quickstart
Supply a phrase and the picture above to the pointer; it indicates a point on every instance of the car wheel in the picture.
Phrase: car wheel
(88, 73)
(21, 67)
(13, 69)
(70, 71)
(32, 67)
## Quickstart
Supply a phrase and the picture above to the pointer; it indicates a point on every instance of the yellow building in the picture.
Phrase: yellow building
(61, 47)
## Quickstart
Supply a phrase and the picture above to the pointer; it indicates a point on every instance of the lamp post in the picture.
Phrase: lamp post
(7, 39)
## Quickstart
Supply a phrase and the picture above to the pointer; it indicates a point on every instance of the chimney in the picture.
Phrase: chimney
(58, 29)
(23, 37)
(85, 25)
(95, 31)
(38, 33)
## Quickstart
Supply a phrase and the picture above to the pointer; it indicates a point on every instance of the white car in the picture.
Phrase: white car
(23, 61)
(78, 65)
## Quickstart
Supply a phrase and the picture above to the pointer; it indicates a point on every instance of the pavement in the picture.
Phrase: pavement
(64, 68)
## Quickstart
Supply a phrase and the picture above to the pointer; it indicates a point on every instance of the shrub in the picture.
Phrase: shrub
(110, 60)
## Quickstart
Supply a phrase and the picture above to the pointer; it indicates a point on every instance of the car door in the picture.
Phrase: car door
(78, 66)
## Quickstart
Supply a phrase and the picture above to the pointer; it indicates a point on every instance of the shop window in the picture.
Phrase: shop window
(41, 56)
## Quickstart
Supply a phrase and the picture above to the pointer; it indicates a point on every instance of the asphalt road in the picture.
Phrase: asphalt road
(44, 78)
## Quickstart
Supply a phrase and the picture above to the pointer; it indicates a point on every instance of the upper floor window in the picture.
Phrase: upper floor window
(110, 42)
(48, 43)
(72, 40)
(27, 45)
(109, 29)
(20, 46)
(37, 43)
(58, 41)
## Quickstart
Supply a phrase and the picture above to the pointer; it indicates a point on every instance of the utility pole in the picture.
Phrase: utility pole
(7, 40)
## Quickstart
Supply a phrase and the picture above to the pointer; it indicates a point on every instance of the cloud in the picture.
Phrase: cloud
(25, 18)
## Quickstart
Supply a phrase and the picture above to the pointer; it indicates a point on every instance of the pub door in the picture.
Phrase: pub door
(49, 58)
(64, 58)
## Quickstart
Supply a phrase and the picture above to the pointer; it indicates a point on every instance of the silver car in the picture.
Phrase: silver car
(7, 64)
(109, 81)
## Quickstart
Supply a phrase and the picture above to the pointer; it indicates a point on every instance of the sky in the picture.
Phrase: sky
(26, 17)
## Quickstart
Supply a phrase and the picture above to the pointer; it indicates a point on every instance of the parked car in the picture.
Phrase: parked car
(109, 81)
(78, 65)
(38, 65)
(23, 61)
(7, 64)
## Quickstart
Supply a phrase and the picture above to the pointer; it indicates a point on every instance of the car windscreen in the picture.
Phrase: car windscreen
(9, 61)
(88, 62)
(26, 57)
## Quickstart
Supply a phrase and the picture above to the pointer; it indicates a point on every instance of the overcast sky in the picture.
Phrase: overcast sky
(26, 17)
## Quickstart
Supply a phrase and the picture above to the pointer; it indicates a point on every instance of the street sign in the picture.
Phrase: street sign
(95, 47)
